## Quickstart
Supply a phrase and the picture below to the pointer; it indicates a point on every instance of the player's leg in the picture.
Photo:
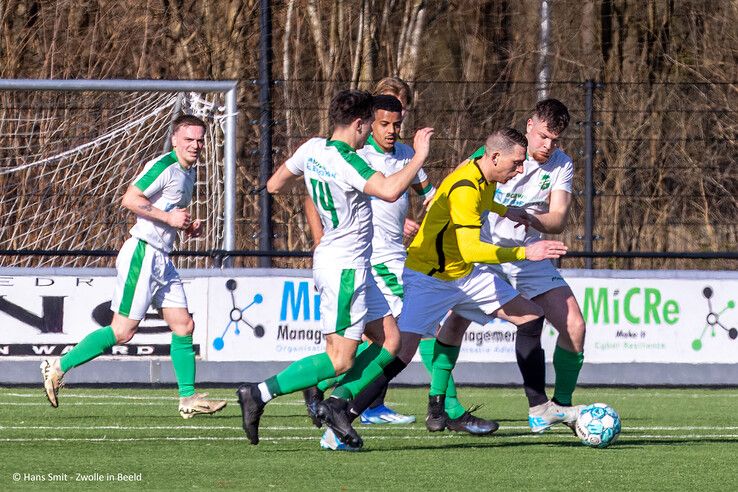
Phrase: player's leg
(408, 347)
(182, 353)
(426, 302)
(131, 300)
(542, 413)
(120, 331)
(315, 394)
(484, 293)
(541, 282)
(299, 375)
(369, 364)
(169, 296)
(562, 311)
(528, 317)
(388, 276)
(420, 315)
(343, 311)
(329, 440)
(453, 407)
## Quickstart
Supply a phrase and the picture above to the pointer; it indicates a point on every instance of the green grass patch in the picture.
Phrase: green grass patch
(134, 439)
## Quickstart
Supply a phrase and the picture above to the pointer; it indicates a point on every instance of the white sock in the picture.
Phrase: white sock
(265, 394)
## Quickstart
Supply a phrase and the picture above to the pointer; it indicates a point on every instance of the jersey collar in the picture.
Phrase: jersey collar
(173, 155)
(481, 179)
(340, 145)
(376, 146)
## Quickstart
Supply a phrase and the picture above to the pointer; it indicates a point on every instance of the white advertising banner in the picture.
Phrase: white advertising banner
(263, 317)
(48, 314)
(270, 318)
(634, 320)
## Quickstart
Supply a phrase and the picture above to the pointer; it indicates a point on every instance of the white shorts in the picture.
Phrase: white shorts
(530, 278)
(349, 298)
(428, 299)
(388, 276)
(146, 277)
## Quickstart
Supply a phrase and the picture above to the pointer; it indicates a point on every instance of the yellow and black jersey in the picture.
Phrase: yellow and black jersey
(448, 244)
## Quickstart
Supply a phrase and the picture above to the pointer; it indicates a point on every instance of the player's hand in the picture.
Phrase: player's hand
(410, 228)
(421, 142)
(427, 202)
(195, 229)
(179, 218)
(520, 216)
(545, 250)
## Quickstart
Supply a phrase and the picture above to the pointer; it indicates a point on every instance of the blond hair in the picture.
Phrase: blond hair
(395, 86)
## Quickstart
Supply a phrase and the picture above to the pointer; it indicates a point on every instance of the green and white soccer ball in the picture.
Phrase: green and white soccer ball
(598, 425)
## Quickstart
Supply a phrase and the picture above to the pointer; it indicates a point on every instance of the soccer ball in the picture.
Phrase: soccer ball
(598, 425)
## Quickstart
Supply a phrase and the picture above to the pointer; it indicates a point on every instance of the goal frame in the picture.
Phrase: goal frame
(228, 87)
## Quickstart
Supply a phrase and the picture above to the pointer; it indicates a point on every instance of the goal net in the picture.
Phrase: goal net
(67, 157)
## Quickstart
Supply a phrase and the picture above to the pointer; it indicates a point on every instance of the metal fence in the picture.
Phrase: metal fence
(655, 183)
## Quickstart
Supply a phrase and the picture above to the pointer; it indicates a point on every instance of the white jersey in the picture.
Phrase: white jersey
(167, 185)
(335, 177)
(388, 218)
(531, 191)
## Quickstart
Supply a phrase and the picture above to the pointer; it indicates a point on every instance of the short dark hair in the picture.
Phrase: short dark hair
(554, 113)
(348, 105)
(387, 103)
(505, 139)
(187, 120)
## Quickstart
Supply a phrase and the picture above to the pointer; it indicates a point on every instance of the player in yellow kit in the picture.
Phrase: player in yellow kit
(440, 272)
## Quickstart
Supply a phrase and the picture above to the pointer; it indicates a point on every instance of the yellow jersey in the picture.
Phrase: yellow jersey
(447, 244)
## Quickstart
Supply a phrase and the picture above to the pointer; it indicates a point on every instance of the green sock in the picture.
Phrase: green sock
(325, 384)
(90, 347)
(367, 367)
(331, 382)
(444, 360)
(454, 408)
(183, 360)
(301, 374)
(567, 366)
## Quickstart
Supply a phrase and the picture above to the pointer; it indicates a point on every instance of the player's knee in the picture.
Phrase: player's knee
(123, 335)
(392, 343)
(531, 328)
(188, 328)
(342, 364)
(453, 327)
(407, 350)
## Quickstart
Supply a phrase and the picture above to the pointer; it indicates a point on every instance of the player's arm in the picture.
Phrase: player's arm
(554, 221)
(313, 220)
(390, 188)
(282, 180)
(137, 202)
(425, 189)
(463, 202)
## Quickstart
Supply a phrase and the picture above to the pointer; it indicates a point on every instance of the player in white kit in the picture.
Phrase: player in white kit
(378, 412)
(146, 276)
(341, 184)
(385, 154)
(543, 190)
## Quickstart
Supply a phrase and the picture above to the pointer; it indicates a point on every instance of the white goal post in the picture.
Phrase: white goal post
(69, 148)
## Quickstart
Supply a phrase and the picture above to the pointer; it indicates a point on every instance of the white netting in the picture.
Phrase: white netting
(67, 157)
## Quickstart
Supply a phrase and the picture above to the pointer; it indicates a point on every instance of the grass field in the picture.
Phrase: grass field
(671, 440)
